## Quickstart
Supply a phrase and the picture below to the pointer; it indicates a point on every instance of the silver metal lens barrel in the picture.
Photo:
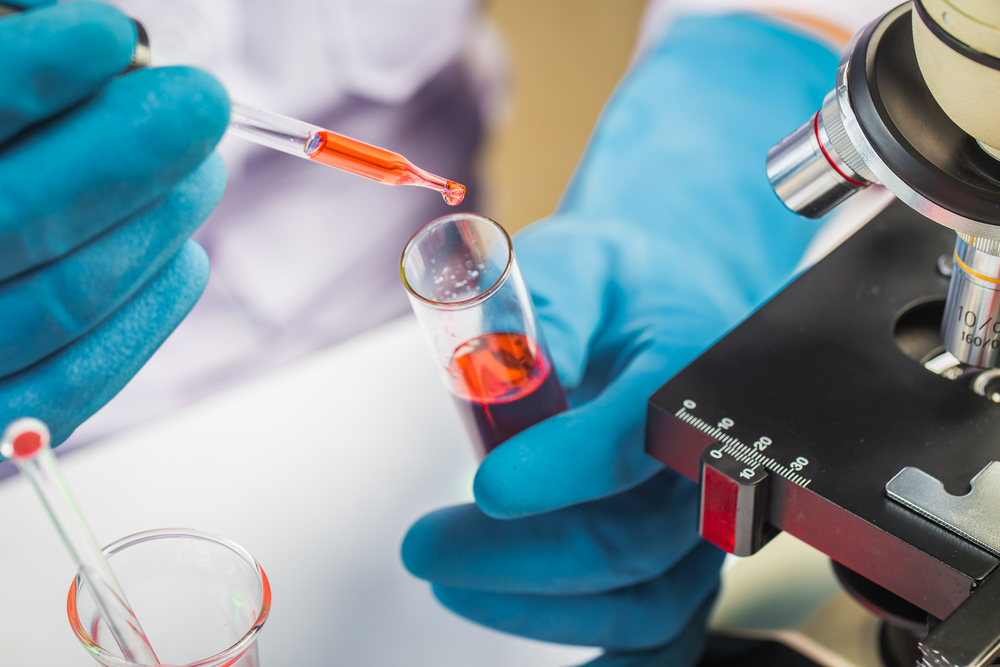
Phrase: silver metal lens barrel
(816, 167)
(142, 57)
(970, 329)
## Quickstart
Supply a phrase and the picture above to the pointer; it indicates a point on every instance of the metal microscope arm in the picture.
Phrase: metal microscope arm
(917, 109)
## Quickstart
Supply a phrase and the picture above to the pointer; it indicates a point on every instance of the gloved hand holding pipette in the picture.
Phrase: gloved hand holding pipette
(102, 181)
(668, 236)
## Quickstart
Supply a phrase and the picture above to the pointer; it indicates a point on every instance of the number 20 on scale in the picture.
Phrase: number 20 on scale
(761, 444)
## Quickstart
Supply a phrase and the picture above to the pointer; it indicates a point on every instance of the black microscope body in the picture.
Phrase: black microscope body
(826, 415)
(799, 418)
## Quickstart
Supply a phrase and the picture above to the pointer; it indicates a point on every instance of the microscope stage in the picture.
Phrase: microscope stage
(814, 389)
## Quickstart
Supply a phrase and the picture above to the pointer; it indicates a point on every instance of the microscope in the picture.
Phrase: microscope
(858, 409)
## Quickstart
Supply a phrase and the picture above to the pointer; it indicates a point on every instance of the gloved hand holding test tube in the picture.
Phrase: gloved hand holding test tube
(668, 236)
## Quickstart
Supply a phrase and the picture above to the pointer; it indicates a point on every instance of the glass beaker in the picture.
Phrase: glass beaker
(476, 313)
(202, 600)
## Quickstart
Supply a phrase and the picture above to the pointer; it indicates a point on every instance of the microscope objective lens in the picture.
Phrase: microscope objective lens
(970, 329)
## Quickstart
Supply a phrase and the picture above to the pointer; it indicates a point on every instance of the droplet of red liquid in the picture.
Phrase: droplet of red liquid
(27, 444)
(453, 193)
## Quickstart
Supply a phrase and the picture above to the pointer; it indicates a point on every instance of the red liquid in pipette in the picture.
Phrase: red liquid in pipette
(378, 164)
(503, 384)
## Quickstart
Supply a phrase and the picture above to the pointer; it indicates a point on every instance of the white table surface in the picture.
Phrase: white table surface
(317, 469)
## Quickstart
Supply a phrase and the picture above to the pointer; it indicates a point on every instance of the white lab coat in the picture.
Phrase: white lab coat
(304, 256)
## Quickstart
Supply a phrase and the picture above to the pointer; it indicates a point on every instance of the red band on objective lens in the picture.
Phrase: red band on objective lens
(830, 159)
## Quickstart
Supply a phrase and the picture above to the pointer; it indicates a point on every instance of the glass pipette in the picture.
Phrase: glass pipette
(26, 442)
(314, 143)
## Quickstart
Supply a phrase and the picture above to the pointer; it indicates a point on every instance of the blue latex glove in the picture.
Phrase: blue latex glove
(102, 181)
(668, 236)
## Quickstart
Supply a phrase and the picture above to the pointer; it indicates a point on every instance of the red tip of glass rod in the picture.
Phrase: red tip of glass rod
(23, 438)
(27, 444)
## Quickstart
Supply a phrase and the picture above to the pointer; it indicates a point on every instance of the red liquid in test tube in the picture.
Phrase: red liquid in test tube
(503, 383)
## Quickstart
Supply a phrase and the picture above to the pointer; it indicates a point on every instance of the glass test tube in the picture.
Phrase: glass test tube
(475, 311)
(202, 599)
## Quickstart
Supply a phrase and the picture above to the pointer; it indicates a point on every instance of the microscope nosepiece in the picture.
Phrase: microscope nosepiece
(816, 167)
(970, 329)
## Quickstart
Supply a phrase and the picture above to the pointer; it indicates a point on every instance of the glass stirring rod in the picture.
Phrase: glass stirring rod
(314, 143)
(26, 442)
